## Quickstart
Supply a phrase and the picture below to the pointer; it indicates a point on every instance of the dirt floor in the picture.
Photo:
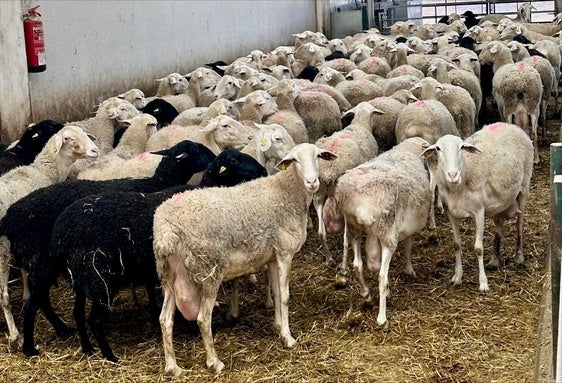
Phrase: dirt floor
(436, 333)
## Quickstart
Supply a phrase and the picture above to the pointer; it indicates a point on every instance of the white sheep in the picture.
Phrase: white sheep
(285, 94)
(258, 81)
(50, 166)
(517, 89)
(471, 187)
(354, 145)
(355, 91)
(135, 97)
(255, 107)
(259, 222)
(174, 83)
(197, 115)
(132, 143)
(199, 79)
(387, 200)
(271, 143)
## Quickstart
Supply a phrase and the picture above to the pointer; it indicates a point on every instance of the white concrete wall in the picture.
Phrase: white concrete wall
(15, 109)
(98, 49)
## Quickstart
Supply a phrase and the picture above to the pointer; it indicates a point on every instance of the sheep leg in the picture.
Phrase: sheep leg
(79, 311)
(358, 266)
(457, 277)
(167, 327)
(97, 314)
(4, 278)
(534, 123)
(383, 282)
(268, 298)
(204, 319)
(409, 269)
(319, 206)
(274, 280)
(234, 307)
(522, 202)
(342, 272)
(432, 188)
(24, 279)
(283, 270)
(479, 250)
(494, 262)
(30, 312)
(152, 306)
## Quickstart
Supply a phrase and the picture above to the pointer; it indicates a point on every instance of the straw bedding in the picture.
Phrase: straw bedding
(436, 332)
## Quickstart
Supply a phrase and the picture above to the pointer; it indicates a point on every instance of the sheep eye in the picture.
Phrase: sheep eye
(226, 126)
(229, 83)
(437, 148)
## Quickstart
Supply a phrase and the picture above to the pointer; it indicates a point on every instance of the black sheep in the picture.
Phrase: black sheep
(162, 110)
(107, 241)
(470, 19)
(336, 55)
(308, 73)
(31, 142)
(215, 66)
(36, 213)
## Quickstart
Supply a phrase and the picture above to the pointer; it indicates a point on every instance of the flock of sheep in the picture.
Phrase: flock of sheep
(212, 178)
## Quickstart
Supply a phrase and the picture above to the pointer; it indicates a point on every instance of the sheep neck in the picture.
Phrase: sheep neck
(285, 102)
(55, 166)
(250, 112)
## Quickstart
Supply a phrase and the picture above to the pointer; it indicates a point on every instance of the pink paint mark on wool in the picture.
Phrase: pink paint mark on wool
(178, 197)
(142, 156)
(337, 139)
(419, 104)
(535, 60)
(521, 65)
(495, 127)
(404, 69)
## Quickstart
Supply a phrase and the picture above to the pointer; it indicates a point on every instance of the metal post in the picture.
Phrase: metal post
(554, 251)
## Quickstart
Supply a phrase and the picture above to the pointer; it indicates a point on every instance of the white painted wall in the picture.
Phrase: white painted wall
(14, 91)
(98, 49)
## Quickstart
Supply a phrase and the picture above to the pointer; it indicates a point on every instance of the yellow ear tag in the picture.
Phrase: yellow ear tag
(31, 125)
(222, 169)
(35, 135)
(263, 143)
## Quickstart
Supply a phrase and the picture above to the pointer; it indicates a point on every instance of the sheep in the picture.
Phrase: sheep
(220, 132)
(418, 45)
(105, 123)
(393, 84)
(31, 253)
(269, 233)
(319, 112)
(336, 94)
(456, 99)
(513, 30)
(259, 81)
(200, 79)
(342, 65)
(106, 240)
(517, 90)
(355, 91)
(358, 74)
(354, 145)
(447, 73)
(360, 53)
(132, 143)
(280, 72)
(404, 96)
(256, 107)
(398, 54)
(307, 54)
(470, 187)
(285, 94)
(545, 69)
(270, 143)
(386, 199)
(337, 45)
(135, 97)
(216, 66)
(384, 124)
(172, 84)
(240, 71)
(30, 143)
(375, 65)
(523, 14)
(308, 73)
(195, 116)
(50, 166)
(405, 69)
(164, 112)
(548, 29)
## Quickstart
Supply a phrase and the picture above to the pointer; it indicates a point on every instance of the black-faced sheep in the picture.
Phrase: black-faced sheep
(106, 240)
(31, 253)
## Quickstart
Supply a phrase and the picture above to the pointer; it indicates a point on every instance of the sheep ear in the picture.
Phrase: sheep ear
(121, 96)
(222, 67)
(160, 79)
(265, 143)
(58, 143)
(164, 152)
(494, 49)
(378, 111)
(470, 148)
(126, 122)
(518, 30)
(172, 80)
(240, 100)
(326, 155)
(428, 151)
(284, 163)
(92, 137)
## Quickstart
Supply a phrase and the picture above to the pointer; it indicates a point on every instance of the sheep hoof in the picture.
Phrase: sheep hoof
(30, 351)
(493, 264)
(341, 279)
(289, 341)
(217, 366)
(383, 326)
(484, 287)
(111, 357)
(174, 371)
(88, 350)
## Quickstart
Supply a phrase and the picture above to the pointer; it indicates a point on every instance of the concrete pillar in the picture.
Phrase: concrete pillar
(15, 106)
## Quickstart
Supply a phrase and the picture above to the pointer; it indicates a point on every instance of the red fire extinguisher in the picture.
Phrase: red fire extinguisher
(34, 41)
